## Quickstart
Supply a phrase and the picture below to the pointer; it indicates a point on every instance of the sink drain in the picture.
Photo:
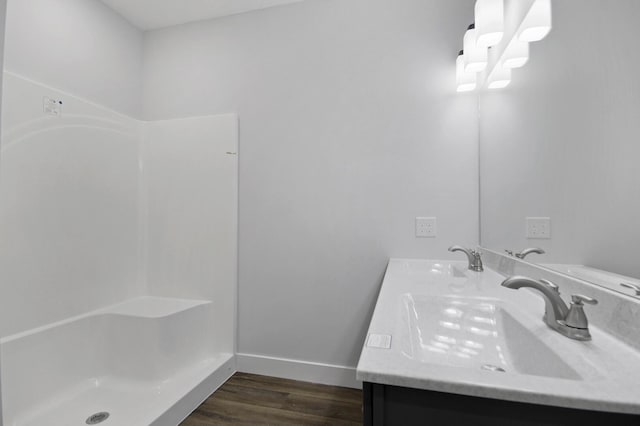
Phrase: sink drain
(490, 367)
(96, 418)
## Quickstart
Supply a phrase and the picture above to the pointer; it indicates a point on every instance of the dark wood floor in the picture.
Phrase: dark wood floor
(247, 399)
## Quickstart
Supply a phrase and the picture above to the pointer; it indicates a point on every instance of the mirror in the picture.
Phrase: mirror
(563, 142)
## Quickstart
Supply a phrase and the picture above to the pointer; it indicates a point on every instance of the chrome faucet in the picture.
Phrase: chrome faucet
(568, 321)
(475, 257)
(524, 253)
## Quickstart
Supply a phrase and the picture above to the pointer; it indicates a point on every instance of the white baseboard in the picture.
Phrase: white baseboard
(305, 371)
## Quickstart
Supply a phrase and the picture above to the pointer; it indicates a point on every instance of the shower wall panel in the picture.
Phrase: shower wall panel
(68, 206)
(191, 179)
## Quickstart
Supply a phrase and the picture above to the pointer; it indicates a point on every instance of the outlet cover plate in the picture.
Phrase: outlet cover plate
(426, 227)
(539, 228)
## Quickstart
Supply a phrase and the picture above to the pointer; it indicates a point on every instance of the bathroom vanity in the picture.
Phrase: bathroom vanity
(448, 345)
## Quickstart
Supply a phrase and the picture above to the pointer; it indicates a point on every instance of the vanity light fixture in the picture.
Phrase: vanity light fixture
(499, 41)
(489, 23)
(475, 58)
(499, 78)
(516, 54)
(466, 81)
(537, 23)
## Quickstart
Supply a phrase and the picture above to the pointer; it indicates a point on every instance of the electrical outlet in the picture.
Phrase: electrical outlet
(539, 228)
(426, 227)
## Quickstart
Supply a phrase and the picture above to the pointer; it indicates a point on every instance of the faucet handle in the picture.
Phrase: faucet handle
(576, 317)
(551, 285)
(579, 299)
(633, 287)
(509, 252)
(477, 261)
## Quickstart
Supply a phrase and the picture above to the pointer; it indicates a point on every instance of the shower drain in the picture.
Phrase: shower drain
(96, 418)
(490, 367)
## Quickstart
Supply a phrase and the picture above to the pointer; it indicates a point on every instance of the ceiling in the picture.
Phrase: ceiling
(153, 14)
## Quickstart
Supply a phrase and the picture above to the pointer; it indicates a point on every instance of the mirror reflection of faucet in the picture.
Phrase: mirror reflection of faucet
(633, 287)
(568, 321)
(524, 253)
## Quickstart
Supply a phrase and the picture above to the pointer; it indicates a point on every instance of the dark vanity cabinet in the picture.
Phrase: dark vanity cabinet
(386, 405)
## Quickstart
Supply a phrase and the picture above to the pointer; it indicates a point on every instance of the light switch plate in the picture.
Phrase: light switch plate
(539, 228)
(426, 227)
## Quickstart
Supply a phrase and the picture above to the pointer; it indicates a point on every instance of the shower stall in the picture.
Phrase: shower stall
(118, 261)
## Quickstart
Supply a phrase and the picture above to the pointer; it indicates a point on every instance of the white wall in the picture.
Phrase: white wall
(79, 46)
(68, 207)
(191, 215)
(350, 128)
(562, 141)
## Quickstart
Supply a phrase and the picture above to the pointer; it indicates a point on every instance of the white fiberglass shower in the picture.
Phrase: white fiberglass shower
(118, 259)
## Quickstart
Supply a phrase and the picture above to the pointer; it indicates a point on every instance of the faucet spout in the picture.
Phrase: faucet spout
(474, 257)
(524, 253)
(556, 310)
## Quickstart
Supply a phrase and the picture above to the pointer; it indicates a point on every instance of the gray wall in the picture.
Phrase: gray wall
(350, 127)
(562, 141)
(3, 11)
(78, 46)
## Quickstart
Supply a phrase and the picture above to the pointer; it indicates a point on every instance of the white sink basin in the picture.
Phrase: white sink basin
(476, 333)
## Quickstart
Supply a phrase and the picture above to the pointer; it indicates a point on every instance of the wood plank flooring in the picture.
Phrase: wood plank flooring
(247, 399)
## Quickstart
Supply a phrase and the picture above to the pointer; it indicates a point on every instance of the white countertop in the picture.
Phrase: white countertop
(446, 322)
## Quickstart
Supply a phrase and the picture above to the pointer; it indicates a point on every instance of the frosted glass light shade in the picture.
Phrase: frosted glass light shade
(499, 78)
(516, 54)
(489, 22)
(465, 81)
(475, 59)
(537, 24)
